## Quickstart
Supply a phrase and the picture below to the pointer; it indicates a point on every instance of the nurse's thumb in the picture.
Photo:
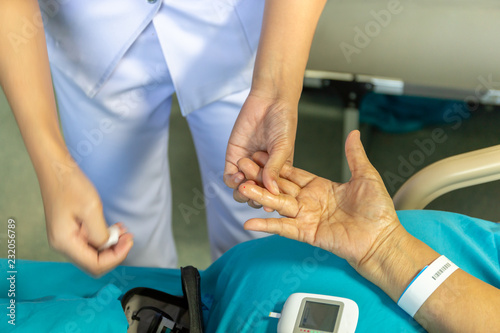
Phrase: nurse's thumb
(95, 225)
(272, 169)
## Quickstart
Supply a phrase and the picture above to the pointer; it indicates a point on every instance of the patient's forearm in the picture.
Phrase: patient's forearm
(285, 41)
(462, 303)
(26, 80)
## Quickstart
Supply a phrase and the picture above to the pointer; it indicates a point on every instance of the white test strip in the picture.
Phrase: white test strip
(114, 235)
(274, 315)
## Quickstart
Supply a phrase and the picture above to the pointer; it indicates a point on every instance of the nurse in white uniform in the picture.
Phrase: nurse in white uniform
(115, 66)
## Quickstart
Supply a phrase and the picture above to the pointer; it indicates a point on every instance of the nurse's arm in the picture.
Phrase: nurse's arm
(287, 32)
(75, 224)
(268, 119)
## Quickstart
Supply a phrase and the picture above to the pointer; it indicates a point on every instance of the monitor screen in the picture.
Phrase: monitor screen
(319, 316)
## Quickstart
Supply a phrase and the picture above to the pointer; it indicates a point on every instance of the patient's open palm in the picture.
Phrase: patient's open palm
(349, 219)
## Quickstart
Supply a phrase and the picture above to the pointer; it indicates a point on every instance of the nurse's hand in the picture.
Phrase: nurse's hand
(264, 124)
(75, 222)
(350, 220)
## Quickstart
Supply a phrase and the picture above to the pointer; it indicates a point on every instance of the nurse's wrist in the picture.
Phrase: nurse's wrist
(279, 84)
(51, 159)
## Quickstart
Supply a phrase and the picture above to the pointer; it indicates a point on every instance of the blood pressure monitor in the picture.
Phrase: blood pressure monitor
(313, 313)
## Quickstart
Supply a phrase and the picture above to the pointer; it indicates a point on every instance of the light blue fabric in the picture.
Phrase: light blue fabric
(256, 277)
(67, 313)
(247, 282)
(58, 297)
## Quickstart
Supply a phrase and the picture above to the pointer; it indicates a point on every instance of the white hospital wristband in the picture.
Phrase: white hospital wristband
(425, 283)
(114, 235)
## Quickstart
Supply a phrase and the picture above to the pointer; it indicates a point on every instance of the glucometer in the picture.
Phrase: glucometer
(314, 313)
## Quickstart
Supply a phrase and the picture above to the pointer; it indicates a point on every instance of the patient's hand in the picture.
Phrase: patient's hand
(357, 221)
(351, 220)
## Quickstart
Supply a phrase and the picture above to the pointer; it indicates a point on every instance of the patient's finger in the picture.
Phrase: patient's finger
(358, 162)
(285, 227)
(239, 197)
(284, 204)
(288, 187)
(269, 210)
(296, 175)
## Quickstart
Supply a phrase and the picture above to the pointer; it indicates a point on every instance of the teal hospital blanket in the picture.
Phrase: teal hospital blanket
(244, 285)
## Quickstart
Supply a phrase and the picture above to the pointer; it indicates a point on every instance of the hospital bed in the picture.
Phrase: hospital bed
(428, 48)
(241, 288)
(453, 173)
(256, 277)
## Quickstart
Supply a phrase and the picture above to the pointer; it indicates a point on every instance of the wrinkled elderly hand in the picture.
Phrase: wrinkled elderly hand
(357, 221)
(350, 220)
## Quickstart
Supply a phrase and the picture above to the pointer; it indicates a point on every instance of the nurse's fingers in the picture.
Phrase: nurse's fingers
(92, 217)
(233, 179)
(285, 227)
(284, 204)
(253, 171)
(280, 153)
(261, 158)
(97, 263)
(295, 175)
(112, 257)
(123, 228)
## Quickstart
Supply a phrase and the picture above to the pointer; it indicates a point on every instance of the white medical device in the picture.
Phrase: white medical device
(313, 313)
